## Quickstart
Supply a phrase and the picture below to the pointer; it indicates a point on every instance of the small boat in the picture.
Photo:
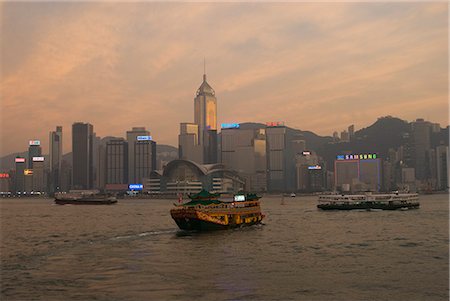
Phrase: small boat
(369, 201)
(84, 199)
(206, 212)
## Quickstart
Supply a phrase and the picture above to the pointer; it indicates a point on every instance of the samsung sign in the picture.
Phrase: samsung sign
(38, 159)
(357, 157)
(135, 186)
(230, 125)
(143, 138)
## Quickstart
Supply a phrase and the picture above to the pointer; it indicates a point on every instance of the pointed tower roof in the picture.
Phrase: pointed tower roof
(205, 88)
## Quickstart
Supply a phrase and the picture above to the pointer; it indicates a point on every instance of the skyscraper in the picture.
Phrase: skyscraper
(205, 117)
(116, 161)
(189, 147)
(82, 152)
(421, 131)
(281, 149)
(56, 151)
(19, 179)
(244, 150)
(139, 136)
(34, 150)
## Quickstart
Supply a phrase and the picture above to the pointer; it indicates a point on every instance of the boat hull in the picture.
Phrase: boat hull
(192, 224)
(368, 206)
(85, 202)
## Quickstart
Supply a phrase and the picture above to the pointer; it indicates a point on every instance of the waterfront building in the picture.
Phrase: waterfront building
(357, 172)
(34, 150)
(19, 181)
(184, 176)
(83, 156)
(310, 172)
(244, 151)
(38, 175)
(116, 162)
(28, 180)
(56, 152)
(5, 183)
(280, 150)
(442, 167)
(202, 147)
(141, 155)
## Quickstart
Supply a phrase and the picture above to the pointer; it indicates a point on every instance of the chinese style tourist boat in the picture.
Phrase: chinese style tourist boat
(369, 201)
(206, 212)
(84, 199)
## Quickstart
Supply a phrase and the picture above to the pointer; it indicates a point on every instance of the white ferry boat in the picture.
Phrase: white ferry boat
(391, 201)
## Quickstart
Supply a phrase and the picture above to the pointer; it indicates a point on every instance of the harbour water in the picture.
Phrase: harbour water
(134, 251)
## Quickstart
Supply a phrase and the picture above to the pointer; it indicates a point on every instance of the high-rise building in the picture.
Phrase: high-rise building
(421, 131)
(141, 154)
(443, 167)
(244, 150)
(39, 181)
(205, 117)
(189, 147)
(34, 150)
(83, 156)
(19, 181)
(56, 152)
(116, 161)
(351, 131)
(280, 150)
(345, 137)
(358, 172)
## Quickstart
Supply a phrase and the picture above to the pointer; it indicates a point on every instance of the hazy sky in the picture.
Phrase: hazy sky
(318, 67)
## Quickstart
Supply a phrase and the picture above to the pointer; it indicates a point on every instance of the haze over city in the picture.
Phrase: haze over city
(317, 67)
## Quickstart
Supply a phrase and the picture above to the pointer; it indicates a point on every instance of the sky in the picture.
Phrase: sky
(316, 66)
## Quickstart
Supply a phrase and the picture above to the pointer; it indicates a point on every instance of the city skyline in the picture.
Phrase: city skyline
(318, 67)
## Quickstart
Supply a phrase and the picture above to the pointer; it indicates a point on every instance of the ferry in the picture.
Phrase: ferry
(368, 201)
(78, 198)
(206, 212)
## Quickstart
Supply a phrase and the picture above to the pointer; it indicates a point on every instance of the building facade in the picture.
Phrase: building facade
(198, 141)
(116, 161)
(244, 151)
(56, 152)
(358, 172)
(34, 150)
(83, 156)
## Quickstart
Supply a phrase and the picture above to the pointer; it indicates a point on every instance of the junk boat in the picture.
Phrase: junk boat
(84, 198)
(369, 201)
(206, 212)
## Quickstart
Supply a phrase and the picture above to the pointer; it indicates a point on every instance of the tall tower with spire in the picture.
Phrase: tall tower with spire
(204, 139)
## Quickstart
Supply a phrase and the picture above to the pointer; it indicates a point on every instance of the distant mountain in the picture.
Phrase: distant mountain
(386, 132)
(7, 162)
(163, 148)
(312, 140)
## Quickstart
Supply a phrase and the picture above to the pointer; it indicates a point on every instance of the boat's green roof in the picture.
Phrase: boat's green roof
(203, 194)
(202, 202)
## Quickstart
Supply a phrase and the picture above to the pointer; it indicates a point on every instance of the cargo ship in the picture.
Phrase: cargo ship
(390, 201)
(205, 211)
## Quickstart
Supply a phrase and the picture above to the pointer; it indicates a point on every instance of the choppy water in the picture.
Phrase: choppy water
(133, 251)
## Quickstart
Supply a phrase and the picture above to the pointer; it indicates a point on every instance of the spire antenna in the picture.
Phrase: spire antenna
(204, 69)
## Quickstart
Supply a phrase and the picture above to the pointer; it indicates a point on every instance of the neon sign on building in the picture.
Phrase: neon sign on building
(357, 157)
(230, 125)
